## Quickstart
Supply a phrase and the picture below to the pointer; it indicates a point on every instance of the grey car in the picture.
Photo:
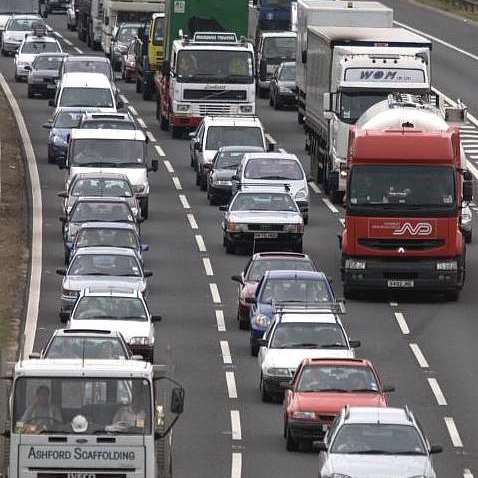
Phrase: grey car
(121, 40)
(283, 86)
(371, 442)
(262, 217)
(101, 267)
(44, 73)
(223, 168)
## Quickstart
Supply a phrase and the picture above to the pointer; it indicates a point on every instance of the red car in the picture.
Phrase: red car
(255, 269)
(320, 389)
(128, 62)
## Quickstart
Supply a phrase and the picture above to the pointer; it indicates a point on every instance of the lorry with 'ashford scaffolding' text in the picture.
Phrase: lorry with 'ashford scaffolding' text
(269, 15)
(89, 418)
(407, 184)
(331, 13)
(89, 22)
(349, 70)
(209, 64)
(116, 12)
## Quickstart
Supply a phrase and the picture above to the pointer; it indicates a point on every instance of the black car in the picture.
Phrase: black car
(44, 73)
(223, 167)
(283, 85)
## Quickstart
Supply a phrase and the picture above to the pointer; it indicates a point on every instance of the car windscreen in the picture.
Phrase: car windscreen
(91, 237)
(67, 119)
(273, 169)
(110, 308)
(259, 267)
(37, 47)
(295, 290)
(73, 347)
(48, 63)
(23, 24)
(287, 73)
(228, 159)
(308, 335)
(218, 136)
(377, 438)
(101, 187)
(121, 153)
(127, 33)
(280, 47)
(86, 97)
(104, 265)
(91, 405)
(263, 202)
(101, 211)
(88, 66)
(335, 378)
(108, 124)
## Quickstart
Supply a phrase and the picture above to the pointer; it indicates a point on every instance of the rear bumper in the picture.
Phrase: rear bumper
(385, 274)
(272, 385)
(220, 192)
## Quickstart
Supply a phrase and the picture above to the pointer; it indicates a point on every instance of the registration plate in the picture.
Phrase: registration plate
(265, 235)
(396, 284)
(75, 474)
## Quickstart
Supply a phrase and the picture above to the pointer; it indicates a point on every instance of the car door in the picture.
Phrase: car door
(269, 333)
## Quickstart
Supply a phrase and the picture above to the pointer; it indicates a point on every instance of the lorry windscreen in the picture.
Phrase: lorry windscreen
(275, 3)
(89, 405)
(353, 104)
(158, 32)
(119, 153)
(400, 187)
(205, 66)
(280, 47)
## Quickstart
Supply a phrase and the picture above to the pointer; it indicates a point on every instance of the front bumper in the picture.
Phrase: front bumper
(386, 274)
(220, 192)
(183, 121)
(248, 239)
(306, 430)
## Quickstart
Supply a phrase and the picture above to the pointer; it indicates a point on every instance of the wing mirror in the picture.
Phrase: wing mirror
(47, 125)
(61, 271)
(51, 102)
(434, 449)
(223, 208)
(62, 194)
(154, 165)
(286, 386)
(262, 342)
(177, 400)
(237, 278)
(388, 388)
(355, 344)
(156, 318)
(148, 273)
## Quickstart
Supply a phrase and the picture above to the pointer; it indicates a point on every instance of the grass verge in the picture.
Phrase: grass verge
(454, 7)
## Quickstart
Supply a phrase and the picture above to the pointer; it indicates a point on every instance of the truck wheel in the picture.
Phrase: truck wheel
(203, 183)
(176, 133)
(29, 92)
(337, 197)
(349, 293)
(262, 92)
(265, 395)
(147, 92)
(139, 85)
(453, 295)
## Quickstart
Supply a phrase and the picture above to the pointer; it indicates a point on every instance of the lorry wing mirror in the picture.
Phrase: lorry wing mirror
(177, 400)
(119, 105)
(467, 191)
(304, 56)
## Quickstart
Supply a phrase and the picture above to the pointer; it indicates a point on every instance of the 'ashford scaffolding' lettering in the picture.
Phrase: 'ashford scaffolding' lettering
(80, 454)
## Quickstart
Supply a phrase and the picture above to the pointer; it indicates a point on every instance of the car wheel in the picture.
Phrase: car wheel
(163, 122)
(254, 349)
(468, 237)
(198, 177)
(262, 92)
(139, 86)
(265, 396)
(203, 184)
(300, 118)
(230, 246)
(291, 444)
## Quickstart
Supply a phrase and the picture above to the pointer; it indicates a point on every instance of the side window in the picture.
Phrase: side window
(270, 330)
(246, 269)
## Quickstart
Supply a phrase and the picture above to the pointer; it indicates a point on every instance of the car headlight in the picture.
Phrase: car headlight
(447, 266)
(22, 64)
(183, 107)
(261, 321)
(277, 372)
(357, 264)
(295, 228)
(138, 188)
(140, 341)
(304, 415)
(235, 227)
(246, 108)
(302, 195)
(70, 294)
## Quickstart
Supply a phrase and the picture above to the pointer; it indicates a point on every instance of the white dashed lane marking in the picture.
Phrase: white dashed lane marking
(206, 262)
(132, 110)
(437, 391)
(422, 361)
(236, 425)
(184, 201)
(221, 325)
(216, 298)
(78, 50)
(141, 123)
(236, 466)
(314, 187)
(200, 243)
(168, 166)
(160, 151)
(192, 221)
(151, 137)
(177, 183)
(68, 42)
(453, 432)
(231, 385)
(226, 352)
(402, 323)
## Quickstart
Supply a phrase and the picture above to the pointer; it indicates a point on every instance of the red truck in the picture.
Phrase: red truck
(406, 187)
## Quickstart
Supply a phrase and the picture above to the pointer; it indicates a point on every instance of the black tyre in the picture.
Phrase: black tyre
(271, 102)
(254, 349)
(30, 92)
(262, 92)
(198, 178)
(176, 133)
(147, 92)
(306, 219)
(265, 395)
(277, 104)
(453, 295)
(290, 443)
(230, 246)
(203, 184)
(300, 118)
(144, 208)
(468, 237)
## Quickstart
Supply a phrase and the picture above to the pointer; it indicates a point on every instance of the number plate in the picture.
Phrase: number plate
(74, 474)
(407, 284)
(265, 235)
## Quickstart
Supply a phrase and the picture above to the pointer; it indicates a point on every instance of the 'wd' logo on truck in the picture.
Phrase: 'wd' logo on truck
(419, 229)
(378, 75)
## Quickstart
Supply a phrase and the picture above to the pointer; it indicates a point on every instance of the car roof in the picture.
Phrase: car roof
(108, 134)
(252, 121)
(279, 255)
(85, 80)
(92, 115)
(42, 38)
(27, 17)
(278, 34)
(56, 53)
(270, 155)
(99, 58)
(102, 175)
(387, 415)
(296, 275)
(108, 225)
(307, 316)
(98, 250)
(241, 148)
(339, 362)
(111, 292)
(266, 189)
(106, 199)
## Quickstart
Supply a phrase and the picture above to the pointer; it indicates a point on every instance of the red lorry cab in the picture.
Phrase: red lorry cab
(404, 199)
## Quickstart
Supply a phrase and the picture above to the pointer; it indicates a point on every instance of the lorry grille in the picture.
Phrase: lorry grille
(85, 473)
(265, 227)
(211, 95)
(407, 244)
(211, 110)
(400, 275)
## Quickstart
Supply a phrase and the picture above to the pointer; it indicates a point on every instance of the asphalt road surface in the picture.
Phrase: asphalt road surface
(219, 434)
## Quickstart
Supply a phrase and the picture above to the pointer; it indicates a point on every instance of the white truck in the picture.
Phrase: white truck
(331, 13)
(349, 70)
(122, 11)
(89, 21)
(91, 418)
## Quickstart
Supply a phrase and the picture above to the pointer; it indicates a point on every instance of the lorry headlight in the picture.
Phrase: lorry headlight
(302, 195)
(447, 266)
(277, 372)
(261, 321)
(304, 415)
(183, 107)
(245, 108)
(357, 264)
(140, 341)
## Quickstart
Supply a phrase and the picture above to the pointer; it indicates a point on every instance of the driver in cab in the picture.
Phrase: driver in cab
(42, 413)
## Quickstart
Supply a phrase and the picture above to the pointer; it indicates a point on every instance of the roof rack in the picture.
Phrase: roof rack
(336, 307)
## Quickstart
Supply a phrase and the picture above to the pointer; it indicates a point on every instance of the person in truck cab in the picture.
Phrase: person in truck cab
(42, 412)
(132, 415)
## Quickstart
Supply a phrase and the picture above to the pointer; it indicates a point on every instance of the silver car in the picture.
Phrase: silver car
(282, 86)
(101, 267)
(371, 442)
(267, 217)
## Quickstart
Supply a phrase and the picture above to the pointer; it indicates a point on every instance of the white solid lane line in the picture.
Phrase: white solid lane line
(236, 425)
(177, 183)
(151, 137)
(206, 262)
(314, 187)
(167, 165)
(422, 361)
(402, 323)
(226, 352)
(437, 391)
(453, 432)
(160, 151)
(132, 110)
(216, 298)
(184, 201)
(192, 221)
(200, 243)
(141, 123)
(330, 205)
(231, 385)
(236, 466)
(221, 325)
(36, 210)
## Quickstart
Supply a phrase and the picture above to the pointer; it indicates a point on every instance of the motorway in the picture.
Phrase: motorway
(422, 347)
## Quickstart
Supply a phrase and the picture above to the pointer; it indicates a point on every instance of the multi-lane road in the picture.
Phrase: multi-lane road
(425, 347)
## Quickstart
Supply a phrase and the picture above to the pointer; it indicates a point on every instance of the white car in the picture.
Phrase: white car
(124, 311)
(274, 169)
(15, 30)
(33, 45)
(300, 331)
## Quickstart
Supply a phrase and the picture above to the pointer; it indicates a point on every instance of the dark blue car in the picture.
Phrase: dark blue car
(285, 286)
